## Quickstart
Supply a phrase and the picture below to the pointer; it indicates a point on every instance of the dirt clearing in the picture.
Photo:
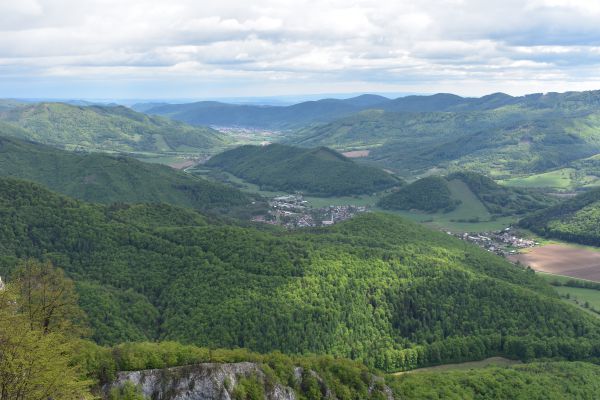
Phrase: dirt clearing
(357, 153)
(561, 259)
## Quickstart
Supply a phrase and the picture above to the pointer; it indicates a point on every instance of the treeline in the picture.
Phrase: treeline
(503, 200)
(574, 220)
(375, 288)
(536, 381)
(319, 171)
(430, 194)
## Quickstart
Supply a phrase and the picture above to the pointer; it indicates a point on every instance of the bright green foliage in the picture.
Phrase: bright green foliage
(537, 381)
(376, 288)
(106, 179)
(319, 171)
(430, 194)
(575, 220)
(249, 388)
(108, 129)
(126, 392)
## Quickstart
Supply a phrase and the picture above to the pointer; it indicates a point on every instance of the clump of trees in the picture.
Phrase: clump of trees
(38, 312)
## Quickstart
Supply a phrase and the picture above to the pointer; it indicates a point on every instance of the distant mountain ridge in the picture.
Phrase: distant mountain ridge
(107, 128)
(326, 110)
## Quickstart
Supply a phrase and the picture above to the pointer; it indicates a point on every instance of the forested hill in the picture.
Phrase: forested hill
(108, 128)
(435, 193)
(528, 135)
(319, 171)
(107, 179)
(274, 117)
(575, 220)
(376, 288)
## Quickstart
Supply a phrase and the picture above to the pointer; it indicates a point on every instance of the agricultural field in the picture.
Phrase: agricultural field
(562, 179)
(488, 362)
(470, 215)
(562, 259)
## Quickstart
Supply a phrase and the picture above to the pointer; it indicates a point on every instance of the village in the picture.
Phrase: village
(292, 211)
(503, 243)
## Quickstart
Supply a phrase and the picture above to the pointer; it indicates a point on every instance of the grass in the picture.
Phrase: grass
(577, 296)
(492, 361)
(469, 209)
(559, 179)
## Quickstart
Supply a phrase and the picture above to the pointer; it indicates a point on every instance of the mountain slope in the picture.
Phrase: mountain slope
(107, 179)
(319, 171)
(433, 194)
(278, 117)
(108, 128)
(375, 288)
(576, 219)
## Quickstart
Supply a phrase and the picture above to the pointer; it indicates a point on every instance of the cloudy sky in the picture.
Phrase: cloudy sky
(223, 48)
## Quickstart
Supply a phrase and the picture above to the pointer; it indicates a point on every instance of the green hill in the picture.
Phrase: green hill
(530, 136)
(319, 171)
(261, 116)
(575, 220)
(107, 128)
(376, 288)
(107, 179)
(430, 194)
(433, 194)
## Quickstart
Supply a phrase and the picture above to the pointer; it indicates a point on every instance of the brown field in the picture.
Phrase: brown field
(561, 259)
(183, 164)
(357, 153)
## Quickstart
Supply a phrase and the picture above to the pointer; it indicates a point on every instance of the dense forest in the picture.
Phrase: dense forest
(430, 194)
(107, 128)
(575, 220)
(377, 288)
(101, 178)
(497, 134)
(319, 171)
(433, 194)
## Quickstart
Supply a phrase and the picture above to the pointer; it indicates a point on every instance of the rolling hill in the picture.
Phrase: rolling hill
(576, 219)
(319, 171)
(434, 194)
(273, 117)
(109, 179)
(494, 135)
(107, 128)
(376, 288)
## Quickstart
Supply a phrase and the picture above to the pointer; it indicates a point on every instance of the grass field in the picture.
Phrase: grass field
(492, 361)
(573, 295)
(561, 179)
(462, 218)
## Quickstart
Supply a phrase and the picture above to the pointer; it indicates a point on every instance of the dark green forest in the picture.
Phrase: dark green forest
(108, 179)
(430, 194)
(319, 171)
(377, 288)
(575, 220)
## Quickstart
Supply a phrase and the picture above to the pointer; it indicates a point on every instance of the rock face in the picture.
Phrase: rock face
(207, 381)
(212, 381)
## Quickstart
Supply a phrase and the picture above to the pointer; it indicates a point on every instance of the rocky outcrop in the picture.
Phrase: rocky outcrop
(213, 381)
(207, 381)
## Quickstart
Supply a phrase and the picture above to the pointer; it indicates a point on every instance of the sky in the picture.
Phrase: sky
(159, 49)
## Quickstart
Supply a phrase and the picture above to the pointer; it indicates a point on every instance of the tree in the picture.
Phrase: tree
(35, 362)
(47, 297)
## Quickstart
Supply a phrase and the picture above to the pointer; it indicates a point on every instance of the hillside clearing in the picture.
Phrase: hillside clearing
(492, 361)
(562, 259)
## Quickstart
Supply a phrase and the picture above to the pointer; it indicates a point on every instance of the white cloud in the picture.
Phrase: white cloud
(472, 45)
